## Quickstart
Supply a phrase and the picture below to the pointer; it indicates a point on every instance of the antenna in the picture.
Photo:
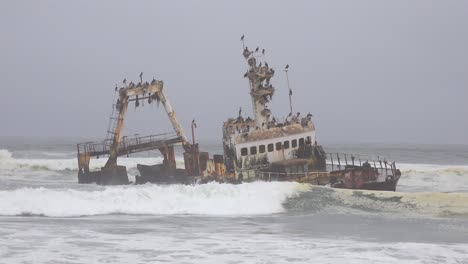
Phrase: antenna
(286, 69)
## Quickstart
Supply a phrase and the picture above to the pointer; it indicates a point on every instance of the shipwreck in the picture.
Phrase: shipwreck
(258, 148)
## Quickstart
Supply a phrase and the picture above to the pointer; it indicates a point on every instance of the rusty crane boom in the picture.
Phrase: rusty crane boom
(115, 145)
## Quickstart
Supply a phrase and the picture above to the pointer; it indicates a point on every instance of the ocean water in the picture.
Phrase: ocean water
(46, 217)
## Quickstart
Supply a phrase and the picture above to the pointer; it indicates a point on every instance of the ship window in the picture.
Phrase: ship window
(301, 142)
(270, 147)
(253, 150)
(261, 149)
(308, 140)
(294, 143)
(243, 151)
(286, 145)
(278, 146)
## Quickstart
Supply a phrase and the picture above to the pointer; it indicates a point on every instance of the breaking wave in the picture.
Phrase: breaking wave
(214, 199)
(433, 178)
(207, 199)
(9, 163)
(433, 204)
(459, 170)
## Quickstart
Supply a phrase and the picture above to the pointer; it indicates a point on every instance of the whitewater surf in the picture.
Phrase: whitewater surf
(47, 214)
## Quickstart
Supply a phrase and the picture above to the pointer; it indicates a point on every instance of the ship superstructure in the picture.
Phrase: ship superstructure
(251, 144)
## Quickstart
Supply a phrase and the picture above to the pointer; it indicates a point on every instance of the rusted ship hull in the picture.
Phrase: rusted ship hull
(381, 186)
(160, 174)
(389, 184)
(363, 177)
(375, 185)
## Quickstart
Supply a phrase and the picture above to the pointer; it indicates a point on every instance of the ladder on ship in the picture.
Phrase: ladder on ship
(113, 123)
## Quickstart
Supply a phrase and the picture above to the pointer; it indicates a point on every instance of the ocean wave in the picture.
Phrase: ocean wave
(208, 199)
(5, 154)
(434, 204)
(214, 199)
(9, 163)
(461, 170)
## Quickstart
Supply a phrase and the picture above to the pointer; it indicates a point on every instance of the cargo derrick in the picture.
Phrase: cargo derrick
(115, 145)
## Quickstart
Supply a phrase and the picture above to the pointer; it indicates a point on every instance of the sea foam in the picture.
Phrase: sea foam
(432, 168)
(9, 163)
(436, 204)
(207, 199)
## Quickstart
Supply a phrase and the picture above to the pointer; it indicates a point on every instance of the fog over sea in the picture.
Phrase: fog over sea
(47, 217)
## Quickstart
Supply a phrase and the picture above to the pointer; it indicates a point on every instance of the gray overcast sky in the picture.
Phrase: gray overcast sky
(370, 71)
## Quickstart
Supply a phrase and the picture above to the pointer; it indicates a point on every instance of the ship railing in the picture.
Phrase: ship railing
(103, 147)
(341, 161)
(137, 140)
(312, 176)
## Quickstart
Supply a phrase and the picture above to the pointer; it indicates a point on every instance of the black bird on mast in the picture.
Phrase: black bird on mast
(286, 68)
(263, 51)
(257, 49)
(243, 44)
